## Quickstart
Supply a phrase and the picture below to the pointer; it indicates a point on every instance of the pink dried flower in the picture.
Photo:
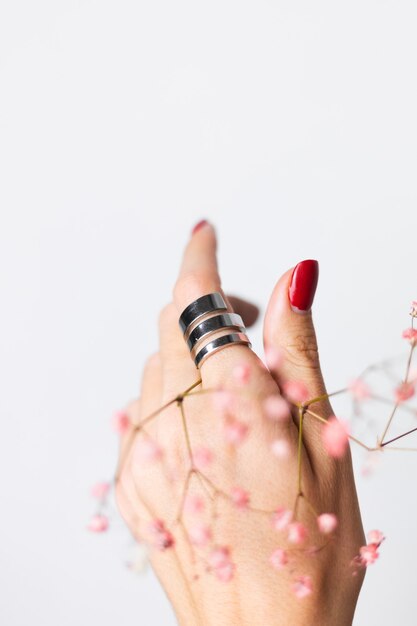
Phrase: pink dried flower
(274, 358)
(302, 587)
(241, 374)
(279, 558)
(297, 532)
(411, 335)
(295, 391)
(375, 536)
(202, 457)
(280, 448)
(100, 490)
(200, 535)
(281, 518)
(240, 498)
(369, 553)
(147, 451)
(162, 537)
(276, 408)
(120, 422)
(194, 504)
(224, 402)
(98, 524)
(404, 392)
(327, 522)
(221, 563)
(335, 437)
(413, 311)
(235, 432)
(359, 389)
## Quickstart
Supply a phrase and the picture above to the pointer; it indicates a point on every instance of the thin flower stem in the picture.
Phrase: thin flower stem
(399, 437)
(300, 446)
(391, 417)
(351, 437)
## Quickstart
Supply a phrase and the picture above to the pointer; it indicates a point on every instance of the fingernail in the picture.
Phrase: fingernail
(198, 226)
(303, 285)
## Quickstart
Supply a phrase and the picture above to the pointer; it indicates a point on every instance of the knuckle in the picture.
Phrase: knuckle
(303, 350)
(167, 314)
(192, 283)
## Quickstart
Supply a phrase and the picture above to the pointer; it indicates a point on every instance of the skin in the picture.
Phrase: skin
(257, 594)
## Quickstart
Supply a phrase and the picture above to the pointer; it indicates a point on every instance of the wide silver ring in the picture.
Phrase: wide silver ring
(211, 302)
(220, 343)
(212, 324)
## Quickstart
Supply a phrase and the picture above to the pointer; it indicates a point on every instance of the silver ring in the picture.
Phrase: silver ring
(211, 325)
(219, 344)
(194, 311)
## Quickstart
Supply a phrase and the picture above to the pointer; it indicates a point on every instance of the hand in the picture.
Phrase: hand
(211, 523)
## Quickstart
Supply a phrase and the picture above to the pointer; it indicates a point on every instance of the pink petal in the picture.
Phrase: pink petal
(327, 522)
(194, 504)
(281, 518)
(235, 432)
(100, 490)
(279, 558)
(369, 553)
(297, 532)
(302, 587)
(98, 524)
(295, 391)
(202, 457)
(240, 498)
(335, 437)
(241, 374)
(410, 334)
(274, 358)
(359, 389)
(147, 451)
(404, 391)
(276, 408)
(375, 536)
(280, 448)
(200, 535)
(120, 422)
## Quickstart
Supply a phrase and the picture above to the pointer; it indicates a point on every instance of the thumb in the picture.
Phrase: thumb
(289, 329)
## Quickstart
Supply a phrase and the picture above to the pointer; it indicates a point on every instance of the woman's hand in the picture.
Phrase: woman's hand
(199, 482)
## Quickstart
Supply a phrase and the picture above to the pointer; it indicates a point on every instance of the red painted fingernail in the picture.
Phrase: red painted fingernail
(198, 226)
(303, 285)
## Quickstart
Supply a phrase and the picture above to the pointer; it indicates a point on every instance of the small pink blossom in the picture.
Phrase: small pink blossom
(241, 374)
(413, 311)
(335, 437)
(359, 389)
(302, 587)
(369, 553)
(280, 448)
(120, 422)
(274, 358)
(100, 490)
(404, 392)
(327, 522)
(162, 537)
(296, 391)
(411, 335)
(281, 518)
(375, 536)
(98, 524)
(240, 498)
(279, 558)
(224, 402)
(202, 457)
(194, 504)
(235, 432)
(297, 532)
(276, 408)
(200, 535)
(147, 451)
(221, 563)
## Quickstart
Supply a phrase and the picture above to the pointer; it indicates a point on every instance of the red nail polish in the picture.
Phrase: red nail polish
(198, 226)
(303, 285)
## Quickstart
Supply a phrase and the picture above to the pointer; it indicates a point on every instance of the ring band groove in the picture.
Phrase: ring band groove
(213, 324)
(220, 343)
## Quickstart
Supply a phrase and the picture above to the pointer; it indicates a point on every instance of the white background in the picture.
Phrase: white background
(293, 127)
